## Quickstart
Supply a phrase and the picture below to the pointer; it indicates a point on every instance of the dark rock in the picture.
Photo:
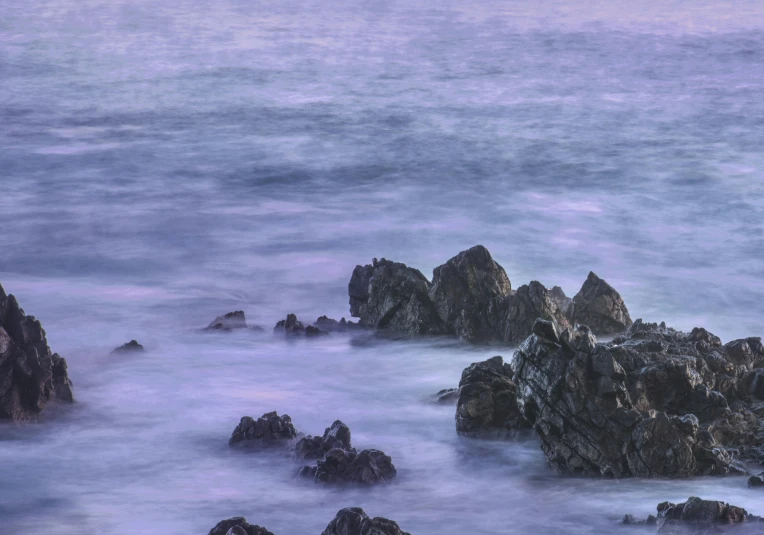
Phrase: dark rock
(748, 352)
(131, 347)
(447, 396)
(354, 521)
(487, 403)
(368, 467)
(629, 520)
(392, 296)
(559, 298)
(524, 307)
(30, 375)
(468, 292)
(313, 448)
(700, 516)
(756, 382)
(598, 306)
(228, 322)
(292, 327)
(268, 431)
(756, 481)
(237, 526)
(331, 325)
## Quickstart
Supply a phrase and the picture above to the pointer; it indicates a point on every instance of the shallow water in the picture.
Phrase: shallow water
(164, 162)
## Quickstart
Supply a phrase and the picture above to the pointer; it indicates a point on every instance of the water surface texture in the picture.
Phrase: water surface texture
(164, 162)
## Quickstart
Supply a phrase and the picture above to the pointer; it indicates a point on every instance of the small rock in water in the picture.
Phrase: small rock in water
(312, 448)
(447, 396)
(331, 325)
(237, 525)
(228, 322)
(292, 327)
(367, 467)
(131, 347)
(354, 521)
(756, 481)
(267, 432)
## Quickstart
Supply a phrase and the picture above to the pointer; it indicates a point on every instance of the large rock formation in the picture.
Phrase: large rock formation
(30, 375)
(598, 306)
(469, 292)
(268, 431)
(698, 517)
(487, 404)
(354, 521)
(237, 525)
(652, 402)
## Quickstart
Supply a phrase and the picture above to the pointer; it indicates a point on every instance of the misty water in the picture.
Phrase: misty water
(162, 163)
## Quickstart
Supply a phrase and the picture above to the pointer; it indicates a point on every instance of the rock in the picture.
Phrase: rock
(392, 296)
(314, 448)
(629, 520)
(748, 352)
(268, 431)
(327, 324)
(30, 375)
(487, 402)
(354, 521)
(447, 396)
(756, 481)
(756, 382)
(559, 298)
(228, 322)
(598, 306)
(367, 467)
(237, 526)
(700, 516)
(468, 292)
(524, 307)
(627, 407)
(131, 347)
(292, 327)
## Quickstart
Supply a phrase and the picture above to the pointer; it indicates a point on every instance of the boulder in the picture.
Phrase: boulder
(447, 396)
(468, 292)
(748, 352)
(267, 432)
(392, 296)
(524, 307)
(131, 347)
(312, 448)
(30, 374)
(700, 516)
(756, 481)
(487, 403)
(292, 327)
(237, 525)
(354, 521)
(327, 324)
(228, 322)
(367, 467)
(598, 306)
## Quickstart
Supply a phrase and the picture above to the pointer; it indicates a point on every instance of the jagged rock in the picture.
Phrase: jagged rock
(487, 403)
(530, 302)
(559, 298)
(756, 481)
(367, 467)
(327, 324)
(598, 306)
(30, 375)
(228, 322)
(131, 347)
(696, 516)
(468, 292)
(354, 521)
(292, 327)
(390, 295)
(268, 431)
(627, 407)
(629, 520)
(447, 396)
(237, 525)
(313, 448)
(748, 352)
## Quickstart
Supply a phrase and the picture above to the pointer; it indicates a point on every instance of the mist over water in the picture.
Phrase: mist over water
(162, 163)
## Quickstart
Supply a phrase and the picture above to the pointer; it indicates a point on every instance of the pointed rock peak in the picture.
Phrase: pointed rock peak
(599, 306)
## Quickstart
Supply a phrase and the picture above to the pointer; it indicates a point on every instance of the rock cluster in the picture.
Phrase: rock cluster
(652, 402)
(237, 525)
(470, 296)
(131, 347)
(268, 431)
(487, 404)
(696, 516)
(30, 375)
(327, 324)
(292, 327)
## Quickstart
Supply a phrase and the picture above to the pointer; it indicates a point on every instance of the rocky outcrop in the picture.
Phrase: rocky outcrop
(354, 521)
(598, 306)
(237, 525)
(649, 403)
(367, 467)
(228, 322)
(30, 374)
(558, 297)
(392, 296)
(487, 403)
(313, 448)
(330, 325)
(698, 516)
(469, 292)
(131, 347)
(267, 432)
(292, 327)
(447, 396)
(531, 301)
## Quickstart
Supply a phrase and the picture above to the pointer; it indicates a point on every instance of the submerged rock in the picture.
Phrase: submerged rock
(447, 396)
(30, 374)
(367, 467)
(228, 322)
(292, 327)
(237, 525)
(487, 403)
(598, 306)
(697, 516)
(327, 324)
(354, 521)
(313, 448)
(268, 431)
(131, 347)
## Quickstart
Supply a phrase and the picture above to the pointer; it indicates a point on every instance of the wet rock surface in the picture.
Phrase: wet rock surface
(30, 374)
(330, 325)
(598, 306)
(314, 448)
(354, 521)
(530, 302)
(228, 322)
(130, 347)
(654, 402)
(697, 516)
(487, 403)
(447, 396)
(367, 467)
(237, 525)
(267, 432)
(756, 481)
(291, 326)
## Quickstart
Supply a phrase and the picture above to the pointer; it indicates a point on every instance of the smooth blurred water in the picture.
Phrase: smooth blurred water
(164, 162)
